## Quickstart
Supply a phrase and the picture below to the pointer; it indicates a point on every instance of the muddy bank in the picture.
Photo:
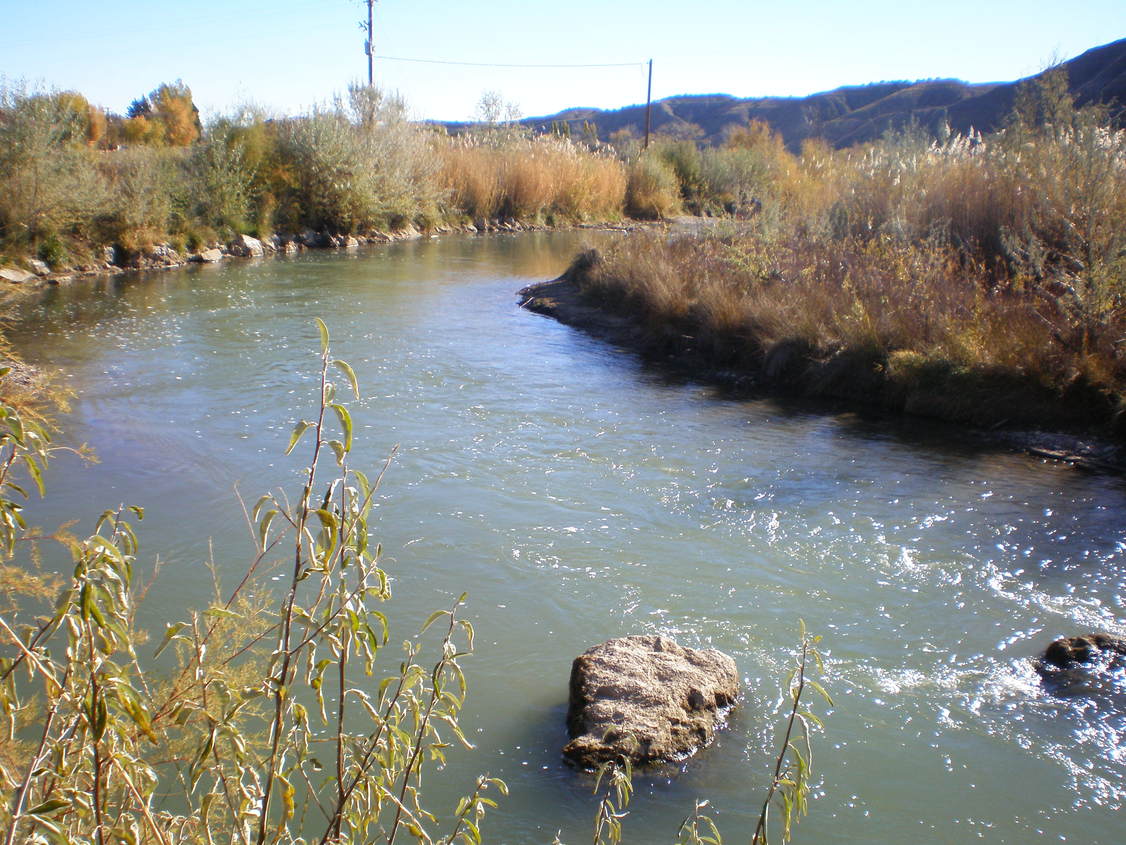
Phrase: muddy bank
(563, 299)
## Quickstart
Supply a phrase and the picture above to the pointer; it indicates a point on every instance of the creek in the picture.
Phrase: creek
(578, 494)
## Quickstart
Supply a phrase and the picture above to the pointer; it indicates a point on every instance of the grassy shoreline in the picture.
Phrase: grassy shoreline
(355, 168)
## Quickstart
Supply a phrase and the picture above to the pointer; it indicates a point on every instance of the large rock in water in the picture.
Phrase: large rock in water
(15, 275)
(208, 256)
(245, 246)
(646, 699)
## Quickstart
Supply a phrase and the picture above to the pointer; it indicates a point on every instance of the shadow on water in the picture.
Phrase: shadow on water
(1101, 683)
(870, 422)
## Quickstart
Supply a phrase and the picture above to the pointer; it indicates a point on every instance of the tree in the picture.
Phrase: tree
(166, 115)
(173, 105)
(46, 183)
(493, 109)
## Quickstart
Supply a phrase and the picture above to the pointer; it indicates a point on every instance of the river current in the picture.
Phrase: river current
(578, 494)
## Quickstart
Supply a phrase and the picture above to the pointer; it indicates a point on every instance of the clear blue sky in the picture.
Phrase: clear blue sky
(286, 55)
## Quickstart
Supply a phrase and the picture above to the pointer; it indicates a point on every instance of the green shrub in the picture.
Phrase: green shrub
(48, 182)
(150, 195)
(220, 181)
(357, 165)
(52, 251)
(685, 160)
(652, 192)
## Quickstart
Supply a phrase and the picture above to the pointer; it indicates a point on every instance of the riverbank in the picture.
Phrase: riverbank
(17, 282)
(1078, 424)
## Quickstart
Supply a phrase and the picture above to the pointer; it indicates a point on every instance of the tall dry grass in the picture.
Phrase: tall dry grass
(653, 192)
(900, 324)
(544, 179)
(979, 279)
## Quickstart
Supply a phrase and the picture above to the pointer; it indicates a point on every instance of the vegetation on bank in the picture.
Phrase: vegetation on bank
(73, 179)
(978, 279)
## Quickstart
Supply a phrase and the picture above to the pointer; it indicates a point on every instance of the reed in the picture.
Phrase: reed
(913, 326)
(972, 278)
(544, 179)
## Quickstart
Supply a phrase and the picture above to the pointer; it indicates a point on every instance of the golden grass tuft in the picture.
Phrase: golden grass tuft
(529, 179)
(652, 192)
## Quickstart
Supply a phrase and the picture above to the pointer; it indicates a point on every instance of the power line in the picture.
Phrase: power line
(495, 64)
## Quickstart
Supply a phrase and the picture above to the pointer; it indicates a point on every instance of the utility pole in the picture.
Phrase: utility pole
(648, 105)
(369, 48)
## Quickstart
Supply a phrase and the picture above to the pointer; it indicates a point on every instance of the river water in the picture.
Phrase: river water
(578, 495)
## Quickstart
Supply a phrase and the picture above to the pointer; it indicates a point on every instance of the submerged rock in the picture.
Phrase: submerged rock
(285, 244)
(1092, 666)
(1065, 652)
(646, 699)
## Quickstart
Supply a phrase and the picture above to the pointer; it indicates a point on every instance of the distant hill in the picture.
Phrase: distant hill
(848, 115)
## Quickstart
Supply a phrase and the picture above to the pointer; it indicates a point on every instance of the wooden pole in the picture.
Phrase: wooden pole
(649, 105)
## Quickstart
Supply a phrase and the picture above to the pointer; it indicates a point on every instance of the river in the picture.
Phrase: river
(578, 494)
